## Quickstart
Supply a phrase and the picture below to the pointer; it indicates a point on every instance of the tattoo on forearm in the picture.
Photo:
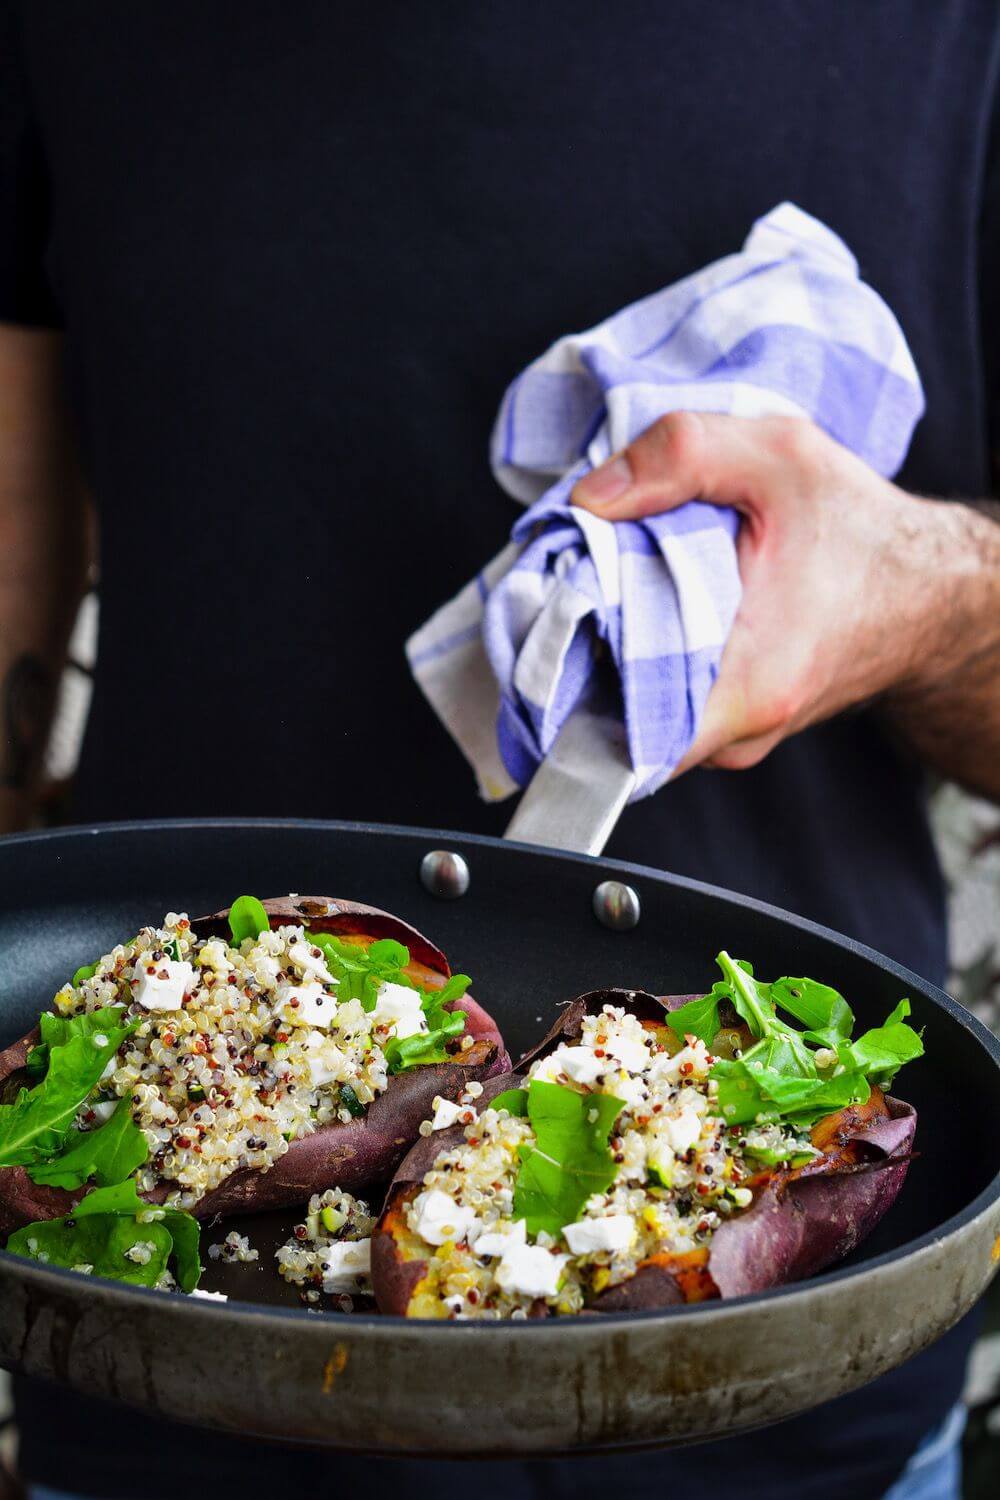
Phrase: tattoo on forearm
(25, 704)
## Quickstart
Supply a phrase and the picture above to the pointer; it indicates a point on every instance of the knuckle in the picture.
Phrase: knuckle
(796, 439)
(679, 437)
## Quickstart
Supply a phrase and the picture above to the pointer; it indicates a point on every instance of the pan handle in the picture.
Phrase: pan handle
(576, 796)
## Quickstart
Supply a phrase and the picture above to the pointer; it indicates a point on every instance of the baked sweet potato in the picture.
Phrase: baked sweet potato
(801, 1218)
(356, 1155)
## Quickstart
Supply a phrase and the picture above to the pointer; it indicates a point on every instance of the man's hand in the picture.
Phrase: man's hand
(852, 590)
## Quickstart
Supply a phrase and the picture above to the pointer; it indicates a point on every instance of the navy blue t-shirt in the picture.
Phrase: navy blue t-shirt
(298, 251)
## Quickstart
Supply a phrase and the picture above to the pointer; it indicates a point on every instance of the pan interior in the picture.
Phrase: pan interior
(526, 933)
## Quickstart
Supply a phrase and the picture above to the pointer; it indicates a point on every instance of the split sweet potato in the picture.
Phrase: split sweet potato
(800, 1221)
(356, 1155)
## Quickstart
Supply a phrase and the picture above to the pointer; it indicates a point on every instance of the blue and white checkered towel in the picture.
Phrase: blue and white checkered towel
(633, 615)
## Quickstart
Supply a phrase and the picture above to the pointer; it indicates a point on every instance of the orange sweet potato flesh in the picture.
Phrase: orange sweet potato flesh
(356, 1156)
(799, 1222)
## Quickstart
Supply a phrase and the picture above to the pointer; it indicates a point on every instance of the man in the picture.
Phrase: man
(273, 268)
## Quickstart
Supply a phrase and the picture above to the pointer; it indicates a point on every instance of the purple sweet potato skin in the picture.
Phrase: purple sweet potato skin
(394, 1279)
(355, 1156)
(797, 1226)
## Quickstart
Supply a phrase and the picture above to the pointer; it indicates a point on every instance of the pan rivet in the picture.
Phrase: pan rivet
(616, 905)
(444, 874)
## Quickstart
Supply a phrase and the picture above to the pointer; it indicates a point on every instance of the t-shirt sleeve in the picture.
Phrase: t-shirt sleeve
(25, 295)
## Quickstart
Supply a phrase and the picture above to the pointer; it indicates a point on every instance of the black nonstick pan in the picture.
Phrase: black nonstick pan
(526, 930)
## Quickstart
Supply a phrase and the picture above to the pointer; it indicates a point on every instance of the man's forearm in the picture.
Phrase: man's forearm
(947, 710)
(43, 559)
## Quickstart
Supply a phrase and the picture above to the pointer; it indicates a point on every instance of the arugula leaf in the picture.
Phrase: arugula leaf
(247, 919)
(825, 1013)
(104, 1226)
(881, 1052)
(570, 1159)
(425, 1046)
(698, 1017)
(36, 1125)
(514, 1101)
(55, 1031)
(108, 1154)
(387, 953)
(453, 990)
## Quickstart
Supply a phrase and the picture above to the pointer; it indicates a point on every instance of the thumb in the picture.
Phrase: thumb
(684, 455)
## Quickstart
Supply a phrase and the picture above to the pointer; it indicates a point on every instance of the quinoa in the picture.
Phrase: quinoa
(308, 1260)
(680, 1172)
(235, 1247)
(228, 1079)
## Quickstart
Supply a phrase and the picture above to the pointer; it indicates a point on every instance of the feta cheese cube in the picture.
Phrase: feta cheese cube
(164, 987)
(306, 1004)
(305, 959)
(344, 1262)
(682, 1130)
(438, 1218)
(446, 1112)
(615, 1232)
(633, 1055)
(530, 1270)
(399, 1007)
(578, 1063)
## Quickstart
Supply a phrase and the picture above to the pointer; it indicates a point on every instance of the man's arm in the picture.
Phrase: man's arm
(43, 557)
(853, 591)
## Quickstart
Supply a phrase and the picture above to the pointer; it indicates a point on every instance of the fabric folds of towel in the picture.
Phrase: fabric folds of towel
(631, 617)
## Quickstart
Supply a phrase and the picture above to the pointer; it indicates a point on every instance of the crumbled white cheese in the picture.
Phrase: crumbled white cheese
(438, 1218)
(682, 1130)
(326, 1062)
(304, 957)
(306, 1004)
(614, 1232)
(399, 1007)
(104, 1108)
(447, 1112)
(343, 1262)
(632, 1054)
(578, 1063)
(164, 988)
(209, 1296)
(530, 1270)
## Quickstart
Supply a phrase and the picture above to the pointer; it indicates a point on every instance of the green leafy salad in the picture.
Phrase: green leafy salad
(175, 1061)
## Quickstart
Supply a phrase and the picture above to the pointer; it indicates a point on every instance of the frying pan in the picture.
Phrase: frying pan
(526, 930)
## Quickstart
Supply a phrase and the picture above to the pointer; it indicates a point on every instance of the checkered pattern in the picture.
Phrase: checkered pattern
(632, 616)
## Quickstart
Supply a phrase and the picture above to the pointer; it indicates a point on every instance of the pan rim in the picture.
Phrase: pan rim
(965, 1219)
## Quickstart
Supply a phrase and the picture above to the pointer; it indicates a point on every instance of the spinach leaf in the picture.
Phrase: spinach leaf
(108, 1223)
(247, 919)
(36, 1125)
(514, 1101)
(570, 1159)
(101, 1241)
(108, 1154)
